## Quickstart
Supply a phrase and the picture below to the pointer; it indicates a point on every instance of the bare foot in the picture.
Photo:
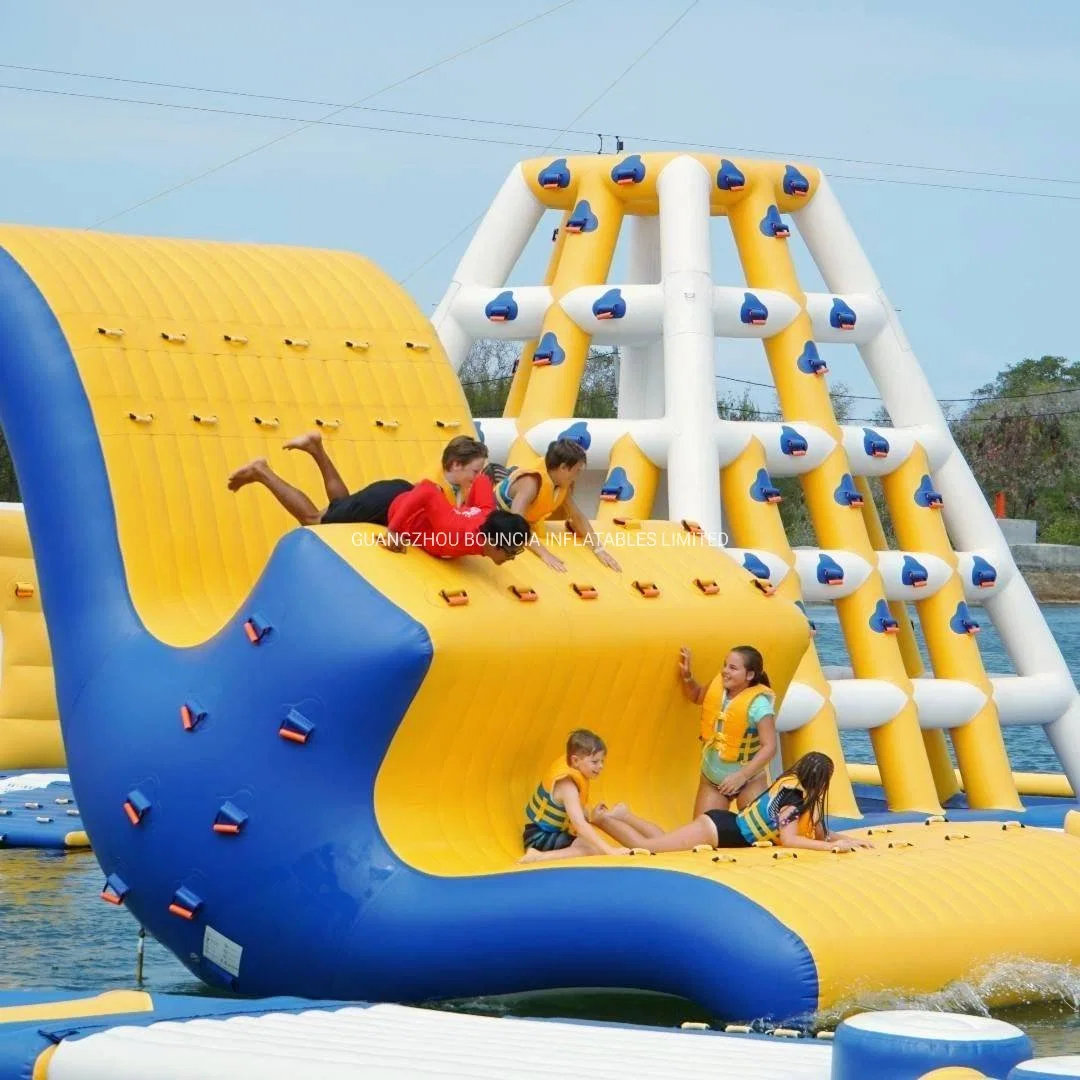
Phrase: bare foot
(251, 473)
(532, 855)
(310, 441)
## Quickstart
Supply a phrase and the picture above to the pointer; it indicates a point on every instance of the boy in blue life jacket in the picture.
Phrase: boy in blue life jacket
(558, 822)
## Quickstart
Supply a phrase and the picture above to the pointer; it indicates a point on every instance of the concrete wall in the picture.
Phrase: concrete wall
(1047, 557)
(1017, 530)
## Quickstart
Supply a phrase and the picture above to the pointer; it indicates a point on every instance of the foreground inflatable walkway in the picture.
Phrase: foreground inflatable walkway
(129, 1035)
(303, 761)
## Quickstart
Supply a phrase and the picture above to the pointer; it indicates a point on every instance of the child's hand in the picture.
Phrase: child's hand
(849, 843)
(684, 664)
(552, 561)
(390, 542)
(607, 560)
(733, 784)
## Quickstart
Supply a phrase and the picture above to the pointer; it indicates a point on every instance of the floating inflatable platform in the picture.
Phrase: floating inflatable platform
(132, 1035)
(129, 1035)
(38, 810)
(303, 760)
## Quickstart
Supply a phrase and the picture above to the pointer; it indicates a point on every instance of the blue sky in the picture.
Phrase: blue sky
(981, 279)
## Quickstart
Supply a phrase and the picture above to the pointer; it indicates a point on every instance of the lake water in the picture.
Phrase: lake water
(57, 933)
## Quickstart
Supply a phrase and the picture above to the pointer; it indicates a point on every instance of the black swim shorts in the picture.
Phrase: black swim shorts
(368, 506)
(545, 839)
(727, 831)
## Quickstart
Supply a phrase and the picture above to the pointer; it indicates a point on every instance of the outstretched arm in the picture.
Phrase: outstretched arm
(583, 527)
(567, 793)
(790, 837)
(522, 493)
(692, 690)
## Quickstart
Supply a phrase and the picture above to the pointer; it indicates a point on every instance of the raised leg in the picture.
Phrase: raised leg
(312, 443)
(622, 812)
(621, 830)
(292, 498)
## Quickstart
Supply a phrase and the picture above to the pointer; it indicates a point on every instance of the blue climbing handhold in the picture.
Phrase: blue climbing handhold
(847, 494)
(829, 571)
(503, 308)
(913, 573)
(810, 362)
(792, 443)
(753, 312)
(582, 220)
(756, 567)
(962, 622)
(841, 316)
(794, 182)
(881, 621)
(802, 607)
(874, 444)
(548, 353)
(983, 575)
(631, 170)
(617, 486)
(729, 177)
(925, 495)
(479, 431)
(555, 175)
(578, 431)
(763, 489)
(772, 224)
(610, 306)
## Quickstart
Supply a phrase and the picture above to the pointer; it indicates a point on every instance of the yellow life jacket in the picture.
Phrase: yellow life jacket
(454, 496)
(759, 820)
(548, 499)
(544, 809)
(726, 728)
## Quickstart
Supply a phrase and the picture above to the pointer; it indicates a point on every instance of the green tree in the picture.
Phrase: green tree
(489, 368)
(1021, 436)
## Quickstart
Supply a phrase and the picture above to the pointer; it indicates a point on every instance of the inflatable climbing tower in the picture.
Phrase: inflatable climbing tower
(668, 445)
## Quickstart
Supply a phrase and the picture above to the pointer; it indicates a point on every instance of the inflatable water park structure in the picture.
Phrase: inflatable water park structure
(302, 761)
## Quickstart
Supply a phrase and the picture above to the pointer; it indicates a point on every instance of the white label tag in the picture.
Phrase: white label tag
(218, 949)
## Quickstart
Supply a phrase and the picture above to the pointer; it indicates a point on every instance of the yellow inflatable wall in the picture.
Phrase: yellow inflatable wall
(29, 726)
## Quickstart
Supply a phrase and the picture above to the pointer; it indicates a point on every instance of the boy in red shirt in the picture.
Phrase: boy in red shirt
(449, 516)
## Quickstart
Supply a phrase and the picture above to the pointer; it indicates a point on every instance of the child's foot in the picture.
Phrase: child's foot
(532, 855)
(309, 441)
(251, 473)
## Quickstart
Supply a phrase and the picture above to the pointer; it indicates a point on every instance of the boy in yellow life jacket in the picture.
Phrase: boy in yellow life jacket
(558, 824)
(792, 812)
(538, 493)
(738, 729)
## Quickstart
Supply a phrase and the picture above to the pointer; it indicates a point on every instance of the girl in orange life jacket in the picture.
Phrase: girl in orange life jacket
(792, 812)
(541, 493)
(738, 729)
(558, 824)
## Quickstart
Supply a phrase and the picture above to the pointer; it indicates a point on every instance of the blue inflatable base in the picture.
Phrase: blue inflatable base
(37, 815)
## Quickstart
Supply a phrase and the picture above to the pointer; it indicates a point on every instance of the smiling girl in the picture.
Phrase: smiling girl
(738, 729)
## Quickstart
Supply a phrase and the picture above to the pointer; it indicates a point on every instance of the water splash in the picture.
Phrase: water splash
(1003, 985)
